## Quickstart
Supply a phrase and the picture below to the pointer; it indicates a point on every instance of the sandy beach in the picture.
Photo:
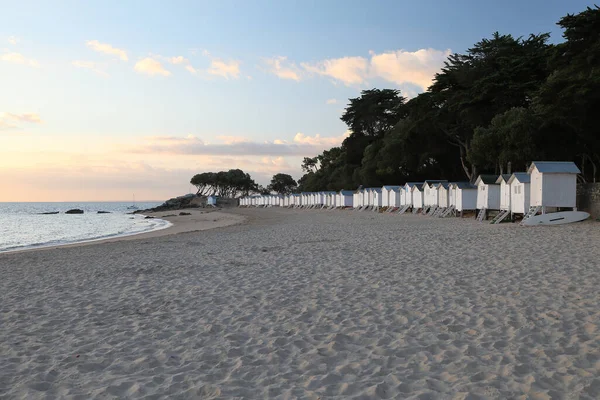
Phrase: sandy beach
(305, 304)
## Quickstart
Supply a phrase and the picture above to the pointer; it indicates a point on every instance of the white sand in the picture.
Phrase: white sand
(309, 304)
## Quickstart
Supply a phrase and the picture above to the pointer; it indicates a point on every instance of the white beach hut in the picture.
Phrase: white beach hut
(463, 196)
(386, 192)
(443, 194)
(488, 195)
(330, 199)
(368, 197)
(211, 200)
(553, 185)
(406, 196)
(430, 195)
(365, 198)
(417, 197)
(345, 198)
(377, 198)
(504, 191)
(505, 206)
(312, 200)
(519, 184)
(296, 200)
(305, 199)
(394, 196)
(320, 199)
(357, 197)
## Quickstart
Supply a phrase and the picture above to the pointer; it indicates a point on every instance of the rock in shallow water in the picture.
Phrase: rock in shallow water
(74, 211)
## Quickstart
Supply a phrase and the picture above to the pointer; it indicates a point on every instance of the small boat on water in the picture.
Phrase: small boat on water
(133, 206)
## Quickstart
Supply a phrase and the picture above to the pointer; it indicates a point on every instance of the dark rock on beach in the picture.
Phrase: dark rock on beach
(188, 201)
(185, 213)
(103, 212)
(74, 211)
(49, 213)
(169, 215)
(149, 217)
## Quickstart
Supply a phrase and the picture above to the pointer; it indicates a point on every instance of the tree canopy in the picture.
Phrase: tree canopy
(282, 184)
(505, 100)
(232, 183)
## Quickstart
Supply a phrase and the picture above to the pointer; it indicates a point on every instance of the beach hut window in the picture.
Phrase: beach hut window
(483, 188)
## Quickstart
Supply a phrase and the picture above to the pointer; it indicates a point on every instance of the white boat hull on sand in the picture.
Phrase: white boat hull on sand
(557, 218)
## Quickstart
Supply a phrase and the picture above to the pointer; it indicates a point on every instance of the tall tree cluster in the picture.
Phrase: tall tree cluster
(506, 100)
(232, 183)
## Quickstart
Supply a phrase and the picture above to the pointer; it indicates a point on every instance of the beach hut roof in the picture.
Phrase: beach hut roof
(555, 167)
(503, 177)
(359, 190)
(417, 187)
(329, 192)
(346, 192)
(522, 177)
(445, 185)
(434, 181)
(391, 187)
(411, 184)
(376, 190)
(464, 185)
(487, 179)
(395, 189)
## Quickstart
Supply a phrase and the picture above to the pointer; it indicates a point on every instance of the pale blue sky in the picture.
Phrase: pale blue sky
(48, 67)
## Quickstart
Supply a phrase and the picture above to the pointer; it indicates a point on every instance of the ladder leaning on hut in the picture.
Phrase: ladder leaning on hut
(533, 210)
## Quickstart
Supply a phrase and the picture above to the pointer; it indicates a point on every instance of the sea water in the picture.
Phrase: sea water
(23, 225)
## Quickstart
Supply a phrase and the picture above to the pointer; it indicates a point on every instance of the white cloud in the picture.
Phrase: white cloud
(349, 70)
(92, 66)
(151, 67)
(319, 141)
(191, 69)
(226, 69)
(18, 58)
(331, 101)
(181, 60)
(301, 145)
(13, 40)
(107, 49)
(11, 120)
(280, 67)
(400, 67)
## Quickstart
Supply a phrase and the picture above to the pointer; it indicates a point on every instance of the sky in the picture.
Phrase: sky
(104, 100)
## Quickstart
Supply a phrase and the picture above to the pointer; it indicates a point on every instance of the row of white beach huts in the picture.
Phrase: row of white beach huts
(546, 186)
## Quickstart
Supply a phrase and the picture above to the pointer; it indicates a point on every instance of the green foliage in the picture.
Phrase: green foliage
(225, 183)
(505, 100)
(282, 184)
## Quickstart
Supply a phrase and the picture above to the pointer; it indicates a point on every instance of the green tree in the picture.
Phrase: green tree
(282, 184)
(232, 183)
(494, 76)
(567, 102)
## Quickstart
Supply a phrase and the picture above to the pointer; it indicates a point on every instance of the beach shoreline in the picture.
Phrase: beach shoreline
(198, 220)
